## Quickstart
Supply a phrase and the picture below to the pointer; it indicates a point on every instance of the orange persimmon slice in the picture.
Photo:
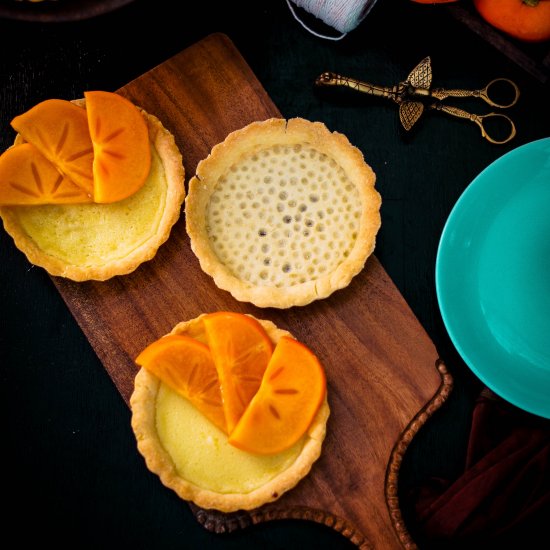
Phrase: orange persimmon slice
(122, 155)
(28, 178)
(59, 130)
(292, 390)
(185, 365)
(241, 350)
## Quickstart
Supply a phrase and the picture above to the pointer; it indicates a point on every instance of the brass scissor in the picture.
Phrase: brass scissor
(410, 93)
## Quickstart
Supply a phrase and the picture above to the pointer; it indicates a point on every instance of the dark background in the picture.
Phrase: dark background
(72, 473)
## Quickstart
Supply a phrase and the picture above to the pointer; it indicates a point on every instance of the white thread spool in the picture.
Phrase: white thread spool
(342, 15)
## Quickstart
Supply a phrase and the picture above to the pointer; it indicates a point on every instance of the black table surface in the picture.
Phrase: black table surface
(73, 475)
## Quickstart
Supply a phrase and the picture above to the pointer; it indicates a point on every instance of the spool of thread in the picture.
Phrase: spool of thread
(342, 15)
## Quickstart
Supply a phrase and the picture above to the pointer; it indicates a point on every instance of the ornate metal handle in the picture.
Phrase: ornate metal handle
(484, 93)
(478, 119)
(334, 79)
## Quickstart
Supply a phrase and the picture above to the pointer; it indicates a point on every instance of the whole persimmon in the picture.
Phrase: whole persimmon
(527, 20)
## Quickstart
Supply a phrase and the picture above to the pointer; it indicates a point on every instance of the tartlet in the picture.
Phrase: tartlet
(283, 212)
(192, 456)
(99, 241)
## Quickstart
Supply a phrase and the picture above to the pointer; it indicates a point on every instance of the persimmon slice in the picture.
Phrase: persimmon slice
(28, 178)
(293, 387)
(122, 155)
(241, 350)
(59, 130)
(185, 365)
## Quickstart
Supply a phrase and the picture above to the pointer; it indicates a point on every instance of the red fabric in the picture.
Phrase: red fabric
(503, 495)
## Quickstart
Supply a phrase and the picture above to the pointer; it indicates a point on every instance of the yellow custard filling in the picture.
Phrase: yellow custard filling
(91, 234)
(202, 454)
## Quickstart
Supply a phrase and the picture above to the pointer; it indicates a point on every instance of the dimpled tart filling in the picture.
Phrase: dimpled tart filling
(284, 215)
(202, 454)
(95, 234)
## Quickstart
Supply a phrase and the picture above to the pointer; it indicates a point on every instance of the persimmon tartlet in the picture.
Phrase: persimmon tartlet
(229, 411)
(283, 212)
(91, 188)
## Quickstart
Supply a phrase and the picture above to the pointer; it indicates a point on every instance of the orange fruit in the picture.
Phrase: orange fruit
(527, 20)
(186, 366)
(28, 177)
(122, 154)
(59, 130)
(292, 390)
(241, 350)
(104, 149)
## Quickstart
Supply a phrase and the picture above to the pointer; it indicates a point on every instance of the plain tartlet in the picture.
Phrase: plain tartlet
(282, 212)
(99, 241)
(192, 457)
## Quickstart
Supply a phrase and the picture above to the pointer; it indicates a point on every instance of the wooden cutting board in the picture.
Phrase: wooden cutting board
(384, 376)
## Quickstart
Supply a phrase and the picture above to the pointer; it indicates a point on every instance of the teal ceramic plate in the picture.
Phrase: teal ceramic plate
(493, 276)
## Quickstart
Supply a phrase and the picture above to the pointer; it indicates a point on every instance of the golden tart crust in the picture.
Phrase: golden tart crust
(98, 241)
(238, 496)
(283, 212)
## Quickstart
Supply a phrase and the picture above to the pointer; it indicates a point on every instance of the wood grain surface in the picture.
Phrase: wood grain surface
(384, 377)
